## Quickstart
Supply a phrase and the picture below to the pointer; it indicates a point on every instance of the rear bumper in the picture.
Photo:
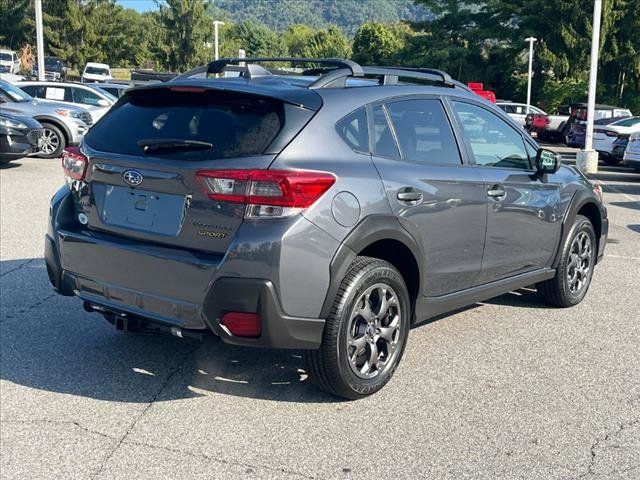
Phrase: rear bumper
(632, 160)
(172, 288)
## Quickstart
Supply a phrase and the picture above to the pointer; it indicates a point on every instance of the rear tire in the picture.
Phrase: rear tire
(366, 332)
(54, 141)
(575, 268)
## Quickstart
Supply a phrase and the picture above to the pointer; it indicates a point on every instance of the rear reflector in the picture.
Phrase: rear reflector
(74, 163)
(267, 192)
(242, 324)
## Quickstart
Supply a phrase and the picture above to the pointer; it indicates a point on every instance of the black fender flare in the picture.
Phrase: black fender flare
(369, 230)
(580, 199)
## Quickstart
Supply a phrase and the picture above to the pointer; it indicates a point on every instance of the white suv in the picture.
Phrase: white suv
(96, 72)
(9, 61)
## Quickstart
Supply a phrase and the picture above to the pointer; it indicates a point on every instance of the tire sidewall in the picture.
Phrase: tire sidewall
(367, 278)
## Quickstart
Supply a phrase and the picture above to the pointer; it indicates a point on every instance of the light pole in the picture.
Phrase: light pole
(531, 40)
(216, 23)
(39, 39)
(587, 159)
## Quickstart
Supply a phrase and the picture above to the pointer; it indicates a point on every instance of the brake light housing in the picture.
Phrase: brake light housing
(266, 193)
(242, 324)
(74, 163)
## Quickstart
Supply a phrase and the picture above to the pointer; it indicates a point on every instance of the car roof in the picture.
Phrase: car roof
(94, 64)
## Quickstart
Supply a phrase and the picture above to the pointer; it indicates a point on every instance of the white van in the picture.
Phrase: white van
(9, 61)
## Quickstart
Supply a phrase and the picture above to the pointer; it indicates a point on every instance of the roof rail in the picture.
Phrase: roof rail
(355, 70)
(389, 76)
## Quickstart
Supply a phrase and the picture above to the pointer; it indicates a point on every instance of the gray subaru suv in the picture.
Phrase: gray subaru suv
(325, 209)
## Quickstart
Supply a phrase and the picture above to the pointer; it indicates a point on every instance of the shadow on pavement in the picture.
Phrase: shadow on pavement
(9, 165)
(635, 228)
(631, 205)
(48, 342)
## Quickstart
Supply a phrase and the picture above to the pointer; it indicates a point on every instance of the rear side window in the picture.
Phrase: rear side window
(384, 144)
(354, 130)
(424, 133)
(235, 124)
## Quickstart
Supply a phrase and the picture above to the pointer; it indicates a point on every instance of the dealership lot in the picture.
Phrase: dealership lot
(505, 389)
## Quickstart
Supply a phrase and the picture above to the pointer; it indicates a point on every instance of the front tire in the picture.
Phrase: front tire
(53, 141)
(575, 268)
(366, 332)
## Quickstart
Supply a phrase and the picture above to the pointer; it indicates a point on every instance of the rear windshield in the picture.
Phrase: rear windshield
(236, 125)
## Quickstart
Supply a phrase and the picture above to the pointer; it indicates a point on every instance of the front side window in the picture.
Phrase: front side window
(424, 133)
(490, 140)
(354, 130)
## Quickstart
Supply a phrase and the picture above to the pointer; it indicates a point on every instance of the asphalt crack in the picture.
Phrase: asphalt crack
(15, 269)
(599, 441)
(164, 385)
(57, 422)
(28, 308)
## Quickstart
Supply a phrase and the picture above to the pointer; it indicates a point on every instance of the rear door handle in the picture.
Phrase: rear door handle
(409, 196)
(496, 191)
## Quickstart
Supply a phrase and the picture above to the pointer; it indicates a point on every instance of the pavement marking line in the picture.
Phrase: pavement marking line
(621, 256)
(626, 195)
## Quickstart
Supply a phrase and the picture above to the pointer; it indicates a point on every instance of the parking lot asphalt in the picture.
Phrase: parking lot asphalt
(506, 389)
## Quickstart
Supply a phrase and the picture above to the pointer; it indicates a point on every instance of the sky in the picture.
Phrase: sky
(139, 5)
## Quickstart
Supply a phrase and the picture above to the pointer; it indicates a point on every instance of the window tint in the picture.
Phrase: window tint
(384, 144)
(354, 131)
(85, 97)
(490, 140)
(423, 132)
(235, 124)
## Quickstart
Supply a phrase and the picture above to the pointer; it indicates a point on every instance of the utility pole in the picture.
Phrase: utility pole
(216, 23)
(587, 159)
(531, 40)
(39, 39)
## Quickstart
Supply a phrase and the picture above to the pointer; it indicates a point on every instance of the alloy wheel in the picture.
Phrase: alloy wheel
(374, 336)
(50, 141)
(580, 263)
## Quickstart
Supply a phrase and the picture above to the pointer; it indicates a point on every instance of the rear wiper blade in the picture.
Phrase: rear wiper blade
(155, 144)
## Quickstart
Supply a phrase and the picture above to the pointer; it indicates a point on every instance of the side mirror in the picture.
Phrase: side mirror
(103, 103)
(547, 161)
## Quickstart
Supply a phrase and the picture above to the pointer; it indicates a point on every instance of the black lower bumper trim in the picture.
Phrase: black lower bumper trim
(259, 296)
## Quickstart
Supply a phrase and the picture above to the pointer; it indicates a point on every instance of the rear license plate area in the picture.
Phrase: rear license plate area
(151, 212)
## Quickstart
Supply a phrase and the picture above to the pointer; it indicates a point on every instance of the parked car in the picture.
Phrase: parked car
(605, 135)
(304, 213)
(478, 89)
(575, 129)
(96, 72)
(632, 152)
(94, 99)
(547, 127)
(619, 147)
(54, 69)
(9, 61)
(63, 124)
(19, 137)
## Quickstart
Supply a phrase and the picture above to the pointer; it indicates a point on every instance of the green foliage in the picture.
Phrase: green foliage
(329, 43)
(376, 44)
(347, 14)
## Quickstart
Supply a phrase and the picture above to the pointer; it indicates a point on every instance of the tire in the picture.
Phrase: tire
(55, 141)
(575, 268)
(355, 336)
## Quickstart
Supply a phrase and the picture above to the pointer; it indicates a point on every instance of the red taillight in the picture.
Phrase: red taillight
(276, 189)
(74, 163)
(242, 324)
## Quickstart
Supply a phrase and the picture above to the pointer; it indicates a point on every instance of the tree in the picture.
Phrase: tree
(328, 43)
(185, 29)
(376, 44)
(296, 37)
(256, 39)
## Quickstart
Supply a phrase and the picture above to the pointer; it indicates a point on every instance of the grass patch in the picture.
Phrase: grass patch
(121, 73)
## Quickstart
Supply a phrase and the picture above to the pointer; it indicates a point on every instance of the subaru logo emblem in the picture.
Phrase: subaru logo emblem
(133, 177)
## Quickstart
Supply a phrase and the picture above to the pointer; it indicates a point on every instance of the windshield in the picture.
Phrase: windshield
(96, 71)
(14, 93)
(627, 122)
(105, 93)
(5, 57)
(52, 62)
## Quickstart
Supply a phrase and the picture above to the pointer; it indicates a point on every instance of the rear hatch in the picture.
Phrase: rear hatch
(143, 156)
